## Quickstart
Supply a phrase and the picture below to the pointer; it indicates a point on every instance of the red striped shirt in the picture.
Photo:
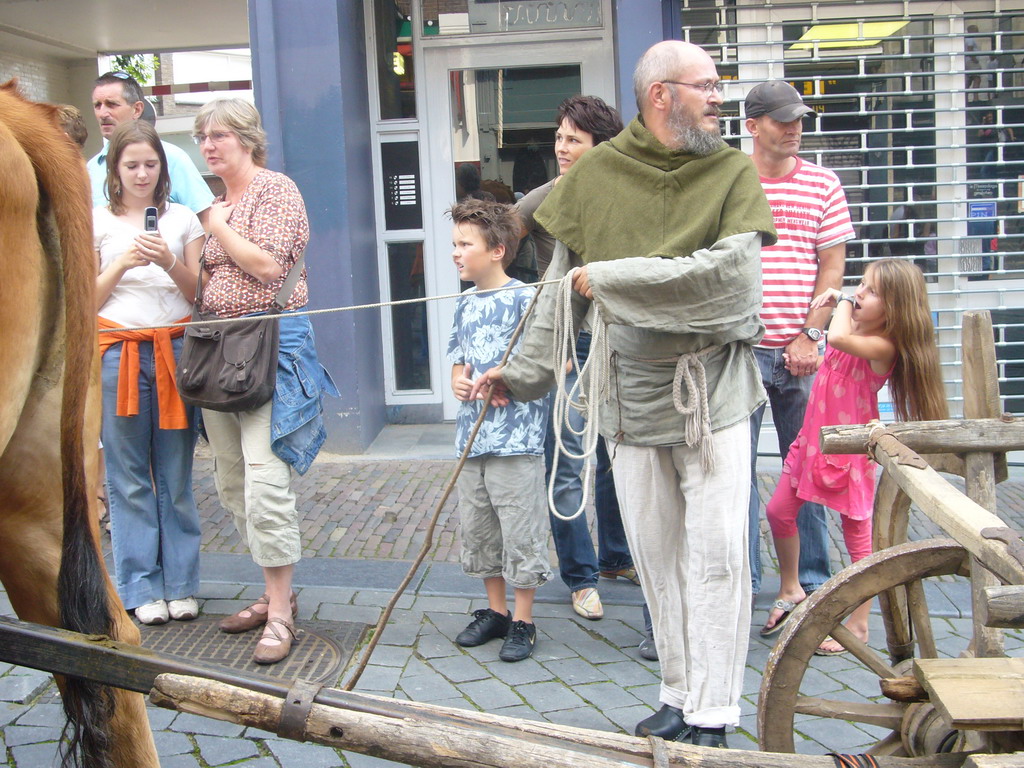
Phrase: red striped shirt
(810, 213)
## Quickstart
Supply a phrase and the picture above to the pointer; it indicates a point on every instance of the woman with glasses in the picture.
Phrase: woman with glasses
(147, 278)
(258, 230)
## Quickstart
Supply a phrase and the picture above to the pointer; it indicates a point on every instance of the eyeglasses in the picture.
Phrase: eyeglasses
(707, 88)
(216, 137)
(120, 75)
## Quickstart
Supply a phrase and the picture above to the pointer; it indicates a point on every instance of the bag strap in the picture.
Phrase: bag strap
(289, 283)
(199, 290)
(280, 300)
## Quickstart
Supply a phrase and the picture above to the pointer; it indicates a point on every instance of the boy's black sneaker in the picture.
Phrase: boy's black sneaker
(486, 625)
(519, 643)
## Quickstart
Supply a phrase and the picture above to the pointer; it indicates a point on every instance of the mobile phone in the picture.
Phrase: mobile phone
(151, 219)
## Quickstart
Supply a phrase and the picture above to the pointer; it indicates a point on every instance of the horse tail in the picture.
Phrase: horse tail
(65, 224)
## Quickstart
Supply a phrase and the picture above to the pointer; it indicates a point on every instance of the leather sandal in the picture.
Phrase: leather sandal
(628, 573)
(248, 618)
(271, 654)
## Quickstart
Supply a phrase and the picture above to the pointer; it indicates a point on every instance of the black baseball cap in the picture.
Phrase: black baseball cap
(777, 99)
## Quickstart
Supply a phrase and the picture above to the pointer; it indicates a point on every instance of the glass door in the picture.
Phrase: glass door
(490, 112)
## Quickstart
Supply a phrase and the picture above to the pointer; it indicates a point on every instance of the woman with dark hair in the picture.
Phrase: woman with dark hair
(146, 278)
(258, 231)
(583, 123)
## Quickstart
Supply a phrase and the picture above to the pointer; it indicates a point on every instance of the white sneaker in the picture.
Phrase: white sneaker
(184, 609)
(587, 603)
(152, 613)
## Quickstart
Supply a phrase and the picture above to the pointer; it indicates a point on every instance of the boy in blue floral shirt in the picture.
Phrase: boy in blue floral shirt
(502, 501)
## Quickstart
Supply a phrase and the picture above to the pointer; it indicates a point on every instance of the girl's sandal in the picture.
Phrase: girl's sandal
(829, 647)
(249, 618)
(271, 654)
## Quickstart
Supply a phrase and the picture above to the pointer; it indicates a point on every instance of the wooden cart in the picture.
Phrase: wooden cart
(928, 704)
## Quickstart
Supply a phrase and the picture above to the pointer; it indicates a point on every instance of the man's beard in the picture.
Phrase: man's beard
(689, 134)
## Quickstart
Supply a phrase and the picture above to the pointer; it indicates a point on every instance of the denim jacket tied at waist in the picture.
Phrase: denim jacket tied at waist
(297, 425)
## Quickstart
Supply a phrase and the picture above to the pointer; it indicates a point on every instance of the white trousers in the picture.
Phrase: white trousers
(687, 531)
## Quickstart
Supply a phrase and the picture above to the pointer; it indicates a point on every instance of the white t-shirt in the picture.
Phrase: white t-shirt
(145, 295)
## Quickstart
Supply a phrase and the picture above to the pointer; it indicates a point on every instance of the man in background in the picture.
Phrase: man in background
(116, 98)
(812, 221)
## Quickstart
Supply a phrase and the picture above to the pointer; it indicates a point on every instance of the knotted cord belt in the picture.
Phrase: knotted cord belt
(690, 370)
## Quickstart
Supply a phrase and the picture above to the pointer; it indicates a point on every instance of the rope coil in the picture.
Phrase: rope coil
(592, 383)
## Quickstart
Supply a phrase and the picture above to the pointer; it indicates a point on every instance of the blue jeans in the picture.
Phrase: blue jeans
(788, 397)
(154, 521)
(577, 562)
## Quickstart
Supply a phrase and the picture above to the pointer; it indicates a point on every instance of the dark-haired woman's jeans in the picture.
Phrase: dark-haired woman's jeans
(578, 564)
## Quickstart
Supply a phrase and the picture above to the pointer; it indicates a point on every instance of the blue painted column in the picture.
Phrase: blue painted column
(639, 24)
(310, 83)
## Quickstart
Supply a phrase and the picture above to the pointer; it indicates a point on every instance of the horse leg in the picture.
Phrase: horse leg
(48, 372)
(32, 526)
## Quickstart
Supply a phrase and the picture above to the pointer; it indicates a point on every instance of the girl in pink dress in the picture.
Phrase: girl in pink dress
(870, 342)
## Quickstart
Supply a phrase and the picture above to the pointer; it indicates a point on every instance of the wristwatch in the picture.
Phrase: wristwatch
(814, 334)
(844, 297)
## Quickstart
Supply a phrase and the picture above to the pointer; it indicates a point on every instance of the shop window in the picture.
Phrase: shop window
(409, 338)
(396, 83)
(504, 126)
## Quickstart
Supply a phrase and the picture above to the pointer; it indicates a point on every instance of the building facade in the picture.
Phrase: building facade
(384, 111)
(918, 110)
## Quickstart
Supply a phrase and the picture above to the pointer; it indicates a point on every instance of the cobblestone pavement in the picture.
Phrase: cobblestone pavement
(364, 519)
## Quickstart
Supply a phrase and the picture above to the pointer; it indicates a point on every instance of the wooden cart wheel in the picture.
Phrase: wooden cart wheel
(896, 575)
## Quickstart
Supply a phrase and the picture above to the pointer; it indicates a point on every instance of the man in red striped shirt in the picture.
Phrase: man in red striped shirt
(813, 223)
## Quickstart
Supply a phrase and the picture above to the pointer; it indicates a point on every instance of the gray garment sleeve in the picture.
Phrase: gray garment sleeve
(544, 242)
(529, 204)
(711, 291)
(531, 372)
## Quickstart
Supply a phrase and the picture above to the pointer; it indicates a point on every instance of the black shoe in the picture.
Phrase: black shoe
(519, 643)
(648, 650)
(708, 737)
(486, 625)
(667, 723)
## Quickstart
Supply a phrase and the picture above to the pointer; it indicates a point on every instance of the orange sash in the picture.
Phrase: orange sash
(172, 409)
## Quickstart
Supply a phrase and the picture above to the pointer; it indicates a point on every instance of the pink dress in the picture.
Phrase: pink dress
(845, 391)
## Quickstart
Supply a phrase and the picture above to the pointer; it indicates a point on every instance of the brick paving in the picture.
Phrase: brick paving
(373, 513)
(355, 509)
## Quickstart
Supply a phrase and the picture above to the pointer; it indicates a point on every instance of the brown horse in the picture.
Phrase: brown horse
(52, 567)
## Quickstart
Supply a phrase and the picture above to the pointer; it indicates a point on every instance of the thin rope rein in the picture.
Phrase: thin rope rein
(310, 312)
(592, 383)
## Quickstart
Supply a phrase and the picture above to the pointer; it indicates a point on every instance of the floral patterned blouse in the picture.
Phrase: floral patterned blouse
(272, 215)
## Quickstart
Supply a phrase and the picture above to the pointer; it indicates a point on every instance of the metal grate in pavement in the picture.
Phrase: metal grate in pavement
(320, 653)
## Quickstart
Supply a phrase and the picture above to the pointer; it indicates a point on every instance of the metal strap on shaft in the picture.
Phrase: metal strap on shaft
(295, 710)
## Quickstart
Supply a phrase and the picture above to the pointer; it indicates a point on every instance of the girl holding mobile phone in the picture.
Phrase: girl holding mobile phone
(147, 278)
